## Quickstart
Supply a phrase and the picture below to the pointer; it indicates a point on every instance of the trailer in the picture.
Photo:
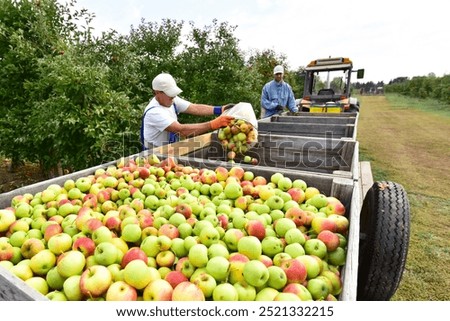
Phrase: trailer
(378, 212)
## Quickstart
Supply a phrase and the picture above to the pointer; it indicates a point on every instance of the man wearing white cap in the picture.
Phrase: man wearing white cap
(160, 124)
(277, 95)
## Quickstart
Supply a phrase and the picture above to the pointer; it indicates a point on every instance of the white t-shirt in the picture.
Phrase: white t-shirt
(157, 118)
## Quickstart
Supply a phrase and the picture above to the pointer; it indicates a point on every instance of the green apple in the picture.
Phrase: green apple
(282, 225)
(54, 280)
(225, 292)
(71, 288)
(315, 247)
(313, 265)
(198, 255)
(233, 190)
(38, 283)
(275, 202)
(337, 257)
(209, 235)
(218, 267)
(277, 277)
(272, 245)
(22, 271)
(95, 281)
(266, 294)
(246, 292)
(295, 236)
(318, 288)
(206, 282)
(71, 263)
(250, 246)
(255, 273)
(137, 274)
(42, 262)
(60, 243)
(105, 253)
(294, 250)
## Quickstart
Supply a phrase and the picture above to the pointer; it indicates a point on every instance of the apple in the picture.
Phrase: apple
(297, 215)
(84, 245)
(330, 239)
(297, 194)
(221, 173)
(246, 292)
(335, 280)
(237, 172)
(105, 253)
(318, 288)
(134, 253)
(313, 265)
(342, 223)
(198, 255)
(266, 294)
(286, 296)
(137, 274)
(54, 280)
(318, 201)
(42, 262)
(295, 270)
(218, 267)
(250, 246)
(315, 247)
(165, 258)
(60, 243)
(38, 283)
(318, 224)
(131, 233)
(50, 229)
(255, 273)
(70, 263)
(158, 290)
(22, 271)
(294, 250)
(31, 247)
(233, 190)
(271, 246)
(169, 230)
(294, 236)
(71, 288)
(337, 257)
(6, 251)
(83, 184)
(275, 202)
(282, 225)
(184, 266)
(298, 289)
(56, 296)
(121, 291)
(95, 281)
(277, 277)
(225, 292)
(187, 291)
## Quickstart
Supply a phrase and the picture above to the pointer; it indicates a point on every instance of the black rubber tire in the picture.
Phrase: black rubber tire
(384, 240)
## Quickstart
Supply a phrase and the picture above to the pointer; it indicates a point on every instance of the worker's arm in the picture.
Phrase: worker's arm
(187, 130)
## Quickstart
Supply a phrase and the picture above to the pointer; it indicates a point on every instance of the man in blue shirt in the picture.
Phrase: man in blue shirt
(277, 95)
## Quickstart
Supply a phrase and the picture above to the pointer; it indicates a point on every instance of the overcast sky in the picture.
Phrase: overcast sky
(388, 38)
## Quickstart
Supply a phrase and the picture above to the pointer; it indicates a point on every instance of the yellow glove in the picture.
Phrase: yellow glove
(221, 121)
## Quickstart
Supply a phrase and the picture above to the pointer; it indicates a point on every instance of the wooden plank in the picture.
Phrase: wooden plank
(14, 289)
(365, 177)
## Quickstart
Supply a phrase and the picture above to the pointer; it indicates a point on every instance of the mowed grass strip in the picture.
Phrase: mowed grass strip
(407, 141)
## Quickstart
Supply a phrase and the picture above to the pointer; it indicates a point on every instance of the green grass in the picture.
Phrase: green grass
(428, 105)
(406, 141)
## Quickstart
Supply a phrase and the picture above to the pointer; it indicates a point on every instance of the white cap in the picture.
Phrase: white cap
(166, 83)
(278, 69)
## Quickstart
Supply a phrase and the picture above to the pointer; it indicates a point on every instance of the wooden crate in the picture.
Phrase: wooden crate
(335, 126)
(343, 188)
(319, 155)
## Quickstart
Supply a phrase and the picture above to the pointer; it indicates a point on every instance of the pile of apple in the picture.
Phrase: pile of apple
(237, 138)
(157, 230)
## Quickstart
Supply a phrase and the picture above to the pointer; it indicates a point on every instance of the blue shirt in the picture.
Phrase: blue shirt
(274, 94)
